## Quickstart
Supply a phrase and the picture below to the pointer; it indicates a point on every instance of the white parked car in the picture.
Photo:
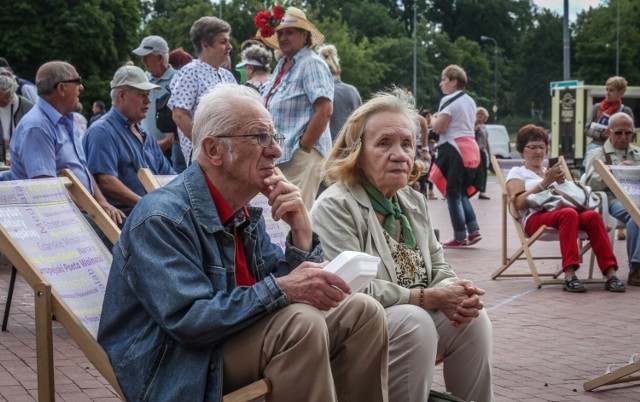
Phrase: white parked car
(499, 141)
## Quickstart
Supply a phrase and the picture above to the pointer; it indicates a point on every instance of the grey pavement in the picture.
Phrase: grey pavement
(547, 342)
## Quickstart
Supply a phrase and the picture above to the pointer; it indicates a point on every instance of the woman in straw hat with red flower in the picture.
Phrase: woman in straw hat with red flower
(299, 96)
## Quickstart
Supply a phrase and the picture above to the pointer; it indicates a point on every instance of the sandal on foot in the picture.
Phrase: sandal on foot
(614, 285)
(574, 285)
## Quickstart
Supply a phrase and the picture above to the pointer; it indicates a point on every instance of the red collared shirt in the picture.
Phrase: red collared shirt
(243, 277)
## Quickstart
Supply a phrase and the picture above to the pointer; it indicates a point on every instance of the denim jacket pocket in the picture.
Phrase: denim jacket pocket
(157, 366)
(219, 276)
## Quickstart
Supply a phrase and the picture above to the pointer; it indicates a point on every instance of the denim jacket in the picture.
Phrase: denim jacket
(171, 299)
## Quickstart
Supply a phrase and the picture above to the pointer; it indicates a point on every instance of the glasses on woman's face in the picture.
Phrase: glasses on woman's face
(536, 147)
(264, 139)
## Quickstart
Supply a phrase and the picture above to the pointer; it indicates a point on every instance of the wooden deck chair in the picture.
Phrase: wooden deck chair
(47, 239)
(45, 236)
(83, 198)
(509, 213)
(150, 181)
(624, 182)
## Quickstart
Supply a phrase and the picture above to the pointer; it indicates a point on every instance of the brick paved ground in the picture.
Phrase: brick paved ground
(546, 342)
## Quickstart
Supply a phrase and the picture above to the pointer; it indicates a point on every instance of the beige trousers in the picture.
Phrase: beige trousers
(303, 170)
(309, 358)
(418, 337)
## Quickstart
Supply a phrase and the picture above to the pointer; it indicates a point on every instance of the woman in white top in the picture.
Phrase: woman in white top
(532, 142)
(455, 172)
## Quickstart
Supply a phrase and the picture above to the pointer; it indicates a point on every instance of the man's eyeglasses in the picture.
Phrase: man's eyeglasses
(73, 81)
(536, 147)
(264, 139)
(619, 133)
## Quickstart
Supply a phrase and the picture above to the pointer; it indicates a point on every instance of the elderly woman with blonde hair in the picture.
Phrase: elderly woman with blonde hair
(431, 314)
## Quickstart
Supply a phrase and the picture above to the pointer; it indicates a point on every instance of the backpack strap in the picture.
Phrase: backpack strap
(450, 101)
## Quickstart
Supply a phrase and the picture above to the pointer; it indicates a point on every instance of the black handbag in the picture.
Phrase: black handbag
(164, 114)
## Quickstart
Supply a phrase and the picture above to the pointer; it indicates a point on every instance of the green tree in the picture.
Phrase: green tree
(173, 21)
(359, 61)
(503, 20)
(96, 36)
(595, 43)
(540, 52)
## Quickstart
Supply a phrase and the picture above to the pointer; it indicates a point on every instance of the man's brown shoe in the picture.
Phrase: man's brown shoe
(634, 275)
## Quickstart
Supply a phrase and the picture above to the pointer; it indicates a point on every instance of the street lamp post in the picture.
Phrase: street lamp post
(495, 78)
(415, 52)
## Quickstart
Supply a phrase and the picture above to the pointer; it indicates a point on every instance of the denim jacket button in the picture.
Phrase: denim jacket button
(211, 367)
(225, 241)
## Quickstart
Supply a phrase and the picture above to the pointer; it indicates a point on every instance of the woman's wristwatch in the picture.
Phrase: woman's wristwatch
(304, 149)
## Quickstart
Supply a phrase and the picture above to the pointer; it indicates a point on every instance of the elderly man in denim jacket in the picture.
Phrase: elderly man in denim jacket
(200, 302)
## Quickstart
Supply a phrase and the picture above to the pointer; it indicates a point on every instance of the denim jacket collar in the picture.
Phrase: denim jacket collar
(202, 203)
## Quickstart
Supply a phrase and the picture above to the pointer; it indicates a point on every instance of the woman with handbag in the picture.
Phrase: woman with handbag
(532, 143)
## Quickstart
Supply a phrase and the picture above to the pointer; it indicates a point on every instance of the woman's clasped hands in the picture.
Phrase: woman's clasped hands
(460, 301)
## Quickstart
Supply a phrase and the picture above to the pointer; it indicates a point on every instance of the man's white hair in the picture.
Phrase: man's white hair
(215, 114)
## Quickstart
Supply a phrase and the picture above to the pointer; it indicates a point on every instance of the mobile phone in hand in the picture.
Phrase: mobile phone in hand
(552, 161)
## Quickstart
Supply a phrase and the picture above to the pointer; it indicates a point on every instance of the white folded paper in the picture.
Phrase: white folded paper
(355, 268)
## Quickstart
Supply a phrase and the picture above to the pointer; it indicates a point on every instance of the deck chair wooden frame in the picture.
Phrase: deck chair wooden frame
(48, 302)
(150, 181)
(625, 373)
(526, 242)
(90, 206)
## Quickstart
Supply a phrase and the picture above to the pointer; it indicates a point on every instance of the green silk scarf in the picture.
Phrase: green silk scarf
(391, 212)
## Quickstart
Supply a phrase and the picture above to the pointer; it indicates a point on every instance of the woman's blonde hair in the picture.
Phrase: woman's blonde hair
(483, 110)
(329, 54)
(455, 72)
(343, 162)
(618, 83)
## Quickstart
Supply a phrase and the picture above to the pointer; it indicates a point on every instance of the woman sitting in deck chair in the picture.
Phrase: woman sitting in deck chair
(533, 142)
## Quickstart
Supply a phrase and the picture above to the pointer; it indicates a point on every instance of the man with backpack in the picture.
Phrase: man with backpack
(154, 52)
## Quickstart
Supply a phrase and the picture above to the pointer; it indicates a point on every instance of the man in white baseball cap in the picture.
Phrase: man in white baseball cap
(152, 45)
(154, 53)
(117, 146)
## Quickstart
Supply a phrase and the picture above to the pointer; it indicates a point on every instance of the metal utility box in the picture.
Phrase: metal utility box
(571, 109)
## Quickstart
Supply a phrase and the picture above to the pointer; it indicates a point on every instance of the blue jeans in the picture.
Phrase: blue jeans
(177, 159)
(463, 217)
(633, 234)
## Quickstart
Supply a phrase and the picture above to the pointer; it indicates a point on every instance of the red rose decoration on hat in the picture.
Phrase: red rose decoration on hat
(266, 21)
(278, 13)
(262, 18)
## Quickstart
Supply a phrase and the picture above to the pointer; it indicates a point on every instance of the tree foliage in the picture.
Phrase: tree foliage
(374, 39)
(595, 49)
(96, 36)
